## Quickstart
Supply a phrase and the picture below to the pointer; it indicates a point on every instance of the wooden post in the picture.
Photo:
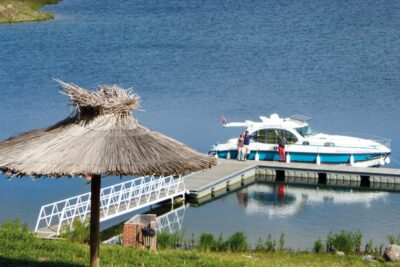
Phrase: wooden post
(95, 221)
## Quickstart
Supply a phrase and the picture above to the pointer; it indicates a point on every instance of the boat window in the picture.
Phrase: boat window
(330, 144)
(304, 131)
(306, 143)
(271, 136)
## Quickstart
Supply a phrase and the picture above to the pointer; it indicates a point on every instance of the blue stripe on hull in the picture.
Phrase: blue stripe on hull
(302, 157)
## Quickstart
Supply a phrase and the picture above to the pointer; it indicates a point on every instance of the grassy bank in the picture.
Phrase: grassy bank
(19, 247)
(12, 11)
(64, 253)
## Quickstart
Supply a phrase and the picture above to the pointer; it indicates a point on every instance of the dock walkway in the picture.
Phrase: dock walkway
(142, 192)
(230, 172)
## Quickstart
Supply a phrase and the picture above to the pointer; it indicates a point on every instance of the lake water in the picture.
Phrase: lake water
(192, 61)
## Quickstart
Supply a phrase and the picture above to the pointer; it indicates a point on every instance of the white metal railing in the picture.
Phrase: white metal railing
(115, 200)
(171, 221)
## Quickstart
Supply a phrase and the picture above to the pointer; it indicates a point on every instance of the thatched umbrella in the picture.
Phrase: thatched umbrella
(101, 137)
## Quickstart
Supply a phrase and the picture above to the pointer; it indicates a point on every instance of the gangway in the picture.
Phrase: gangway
(115, 200)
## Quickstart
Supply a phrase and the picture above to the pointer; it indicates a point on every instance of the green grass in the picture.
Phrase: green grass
(64, 253)
(19, 247)
(13, 11)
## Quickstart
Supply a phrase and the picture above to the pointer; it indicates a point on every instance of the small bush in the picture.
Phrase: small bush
(167, 240)
(13, 234)
(79, 233)
(260, 245)
(318, 246)
(220, 244)
(357, 241)
(163, 240)
(329, 242)
(270, 244)
(206, 242)
(282, 241)
(237, 242)
(391, 239)
(344, 241)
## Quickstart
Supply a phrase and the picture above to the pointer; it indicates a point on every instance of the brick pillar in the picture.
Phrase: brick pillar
(132, 231)
(132, 234)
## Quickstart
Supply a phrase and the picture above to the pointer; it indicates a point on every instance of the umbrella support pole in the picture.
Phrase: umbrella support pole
(95, 221)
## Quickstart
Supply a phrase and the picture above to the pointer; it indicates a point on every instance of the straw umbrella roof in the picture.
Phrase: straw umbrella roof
(100, 137)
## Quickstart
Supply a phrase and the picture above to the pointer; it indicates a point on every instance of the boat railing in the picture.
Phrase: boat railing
(381, 140)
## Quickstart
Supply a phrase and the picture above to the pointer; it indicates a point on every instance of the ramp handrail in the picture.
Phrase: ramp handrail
(115, 200)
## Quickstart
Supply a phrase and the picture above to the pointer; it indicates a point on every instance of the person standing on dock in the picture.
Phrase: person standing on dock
(240, 147)
(281, 149)
(246, 138)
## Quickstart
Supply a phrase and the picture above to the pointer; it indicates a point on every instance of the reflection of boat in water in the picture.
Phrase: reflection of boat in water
(304, 145)
(283, 201)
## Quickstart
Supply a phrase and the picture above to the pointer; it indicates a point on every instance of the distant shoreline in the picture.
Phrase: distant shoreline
(16, 11)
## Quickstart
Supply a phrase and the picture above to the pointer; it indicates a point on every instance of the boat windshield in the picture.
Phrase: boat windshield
(304, 131)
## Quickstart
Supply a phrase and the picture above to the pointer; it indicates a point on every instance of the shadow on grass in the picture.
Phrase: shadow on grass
(4, 261)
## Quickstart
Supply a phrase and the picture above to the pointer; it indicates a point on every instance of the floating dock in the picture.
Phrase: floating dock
(228, 174)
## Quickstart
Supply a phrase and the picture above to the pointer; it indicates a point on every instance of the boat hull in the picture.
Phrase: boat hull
(361, 159)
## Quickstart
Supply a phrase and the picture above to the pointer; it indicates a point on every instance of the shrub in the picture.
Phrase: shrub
(357, 241)
(391, 239)
(15, 235)
(220, 244)
(167, 240)
(282, 241)
(175, 240)
(260, 245)
(318, 246)
(206, 241)
(270, 244)
(237, 242)
(344, 241)
(163, 240)
(79, 233)
(329, 242)
(369, 247)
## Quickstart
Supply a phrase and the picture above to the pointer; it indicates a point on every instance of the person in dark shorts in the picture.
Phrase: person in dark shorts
(247, 138)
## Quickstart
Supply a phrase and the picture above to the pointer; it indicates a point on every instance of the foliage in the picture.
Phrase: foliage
(343, 241)
(357, 236)
(206, 242)
(237, 242)
(80, 232)
(282, 241)
(270, 244)
(318, 246)
(167, 240)
(260, 246)
(18, 247)
(220, 244)
(329, 242)
(12, 233)
(393, 240)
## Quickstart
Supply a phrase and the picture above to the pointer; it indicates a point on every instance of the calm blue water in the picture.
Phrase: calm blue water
(303, 214)
(191, 61)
